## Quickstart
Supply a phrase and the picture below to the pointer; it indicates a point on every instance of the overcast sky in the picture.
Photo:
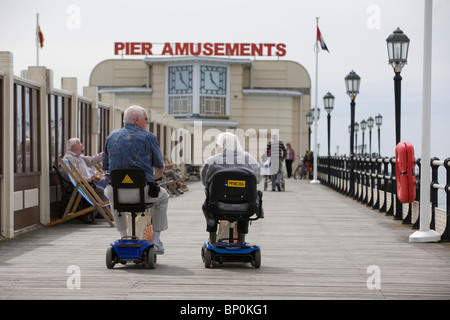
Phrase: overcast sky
(80, 34)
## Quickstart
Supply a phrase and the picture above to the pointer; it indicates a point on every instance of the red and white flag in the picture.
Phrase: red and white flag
(320, 39)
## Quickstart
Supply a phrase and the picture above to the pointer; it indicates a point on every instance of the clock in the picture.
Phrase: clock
(213, 80)
(180, 80)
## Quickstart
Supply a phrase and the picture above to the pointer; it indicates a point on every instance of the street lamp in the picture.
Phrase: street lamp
(352, 84)
(363, 128)
(370, 123)
(379, 122)
(398, 47)
(328, 102)
(356, 128)
(309, 121)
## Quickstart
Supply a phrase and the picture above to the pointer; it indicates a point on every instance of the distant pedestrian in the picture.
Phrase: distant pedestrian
(290, 157)
(276, 151)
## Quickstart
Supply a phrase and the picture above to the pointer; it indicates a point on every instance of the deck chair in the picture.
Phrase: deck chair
(82, 189)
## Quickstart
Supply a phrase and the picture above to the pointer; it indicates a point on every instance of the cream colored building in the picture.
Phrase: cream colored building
(222, 93)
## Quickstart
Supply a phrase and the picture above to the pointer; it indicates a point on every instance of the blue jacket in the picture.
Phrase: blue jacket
(132, 147)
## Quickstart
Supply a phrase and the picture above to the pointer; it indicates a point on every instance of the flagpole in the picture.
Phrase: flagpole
(316, 110)
(37, 39)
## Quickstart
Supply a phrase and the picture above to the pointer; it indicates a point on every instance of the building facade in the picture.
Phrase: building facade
(247, 96)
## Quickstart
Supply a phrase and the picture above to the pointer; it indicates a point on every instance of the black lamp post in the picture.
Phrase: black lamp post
(363, 128)
(328, 101)
(370, 123)
(352, 84)
(398, 47)
(379, 122)
(309, 121)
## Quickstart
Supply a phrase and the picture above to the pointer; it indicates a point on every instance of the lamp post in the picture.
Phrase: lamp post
(398, 47)
(309, 121)
(363, 128)
(352, 84)
(370, 123)
(328, 102)
(379, 122)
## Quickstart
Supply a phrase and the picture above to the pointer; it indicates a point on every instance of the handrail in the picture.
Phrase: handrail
(375, 186)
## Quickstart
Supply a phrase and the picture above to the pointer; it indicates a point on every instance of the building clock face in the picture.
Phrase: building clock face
(213, 80)
(180, 80)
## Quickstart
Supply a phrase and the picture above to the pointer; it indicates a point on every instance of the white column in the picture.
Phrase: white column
(425, 234)
(7, 161)
(44, 77)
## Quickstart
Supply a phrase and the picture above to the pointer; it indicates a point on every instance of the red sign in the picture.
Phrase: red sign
(197, 49)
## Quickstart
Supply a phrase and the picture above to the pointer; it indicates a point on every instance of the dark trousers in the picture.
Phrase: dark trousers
(289, 167)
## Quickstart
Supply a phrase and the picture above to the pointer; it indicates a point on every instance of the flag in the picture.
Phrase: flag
(39, 36)
(320, 39)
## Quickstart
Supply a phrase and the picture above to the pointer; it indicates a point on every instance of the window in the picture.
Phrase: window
(26, 135)
(59, 125)
(197, 90)
(103, 125)
(85, 124)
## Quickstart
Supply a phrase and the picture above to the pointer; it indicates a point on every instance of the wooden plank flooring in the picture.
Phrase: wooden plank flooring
(316, 244)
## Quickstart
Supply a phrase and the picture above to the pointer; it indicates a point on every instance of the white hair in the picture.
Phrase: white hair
(71, 142)
(229, 142)
(133, 112)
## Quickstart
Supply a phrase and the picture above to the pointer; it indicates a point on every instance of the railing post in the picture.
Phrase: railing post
(398, 205)
(384, 174)
(390, 185)
(446, 234)
(433, 191)
(376, 205)
(416, 224)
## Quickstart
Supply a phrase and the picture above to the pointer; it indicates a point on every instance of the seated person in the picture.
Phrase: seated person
(133, 146)
(229, 155)
(75, 154)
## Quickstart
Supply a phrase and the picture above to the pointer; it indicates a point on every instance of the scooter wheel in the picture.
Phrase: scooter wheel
(206, 257)
(257, 257)
(110, 258)
(150, 260)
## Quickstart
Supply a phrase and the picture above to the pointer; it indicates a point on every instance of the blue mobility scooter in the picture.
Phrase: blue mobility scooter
(232, 196)
(128, 194)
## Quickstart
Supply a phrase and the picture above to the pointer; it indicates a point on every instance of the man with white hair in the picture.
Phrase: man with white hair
(75, 154)
(134, 147)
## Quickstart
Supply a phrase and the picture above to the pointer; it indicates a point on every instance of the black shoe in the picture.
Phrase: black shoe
(278, 187)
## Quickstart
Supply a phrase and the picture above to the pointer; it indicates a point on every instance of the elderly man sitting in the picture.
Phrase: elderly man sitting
(75, 153)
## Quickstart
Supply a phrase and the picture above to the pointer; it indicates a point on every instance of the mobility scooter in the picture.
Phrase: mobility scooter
(232, 195)
(129, 196)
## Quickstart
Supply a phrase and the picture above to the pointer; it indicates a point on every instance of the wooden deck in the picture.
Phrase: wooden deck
(316, 244)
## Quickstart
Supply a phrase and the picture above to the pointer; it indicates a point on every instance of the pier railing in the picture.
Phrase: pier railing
(374, 185)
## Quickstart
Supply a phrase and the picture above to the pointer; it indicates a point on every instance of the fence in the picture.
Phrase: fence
(37, 119)
(373, 184)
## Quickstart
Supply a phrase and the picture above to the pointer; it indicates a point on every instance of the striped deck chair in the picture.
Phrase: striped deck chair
(82, 189)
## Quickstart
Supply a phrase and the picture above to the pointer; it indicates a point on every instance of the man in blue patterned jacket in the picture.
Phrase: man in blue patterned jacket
(134, 147)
